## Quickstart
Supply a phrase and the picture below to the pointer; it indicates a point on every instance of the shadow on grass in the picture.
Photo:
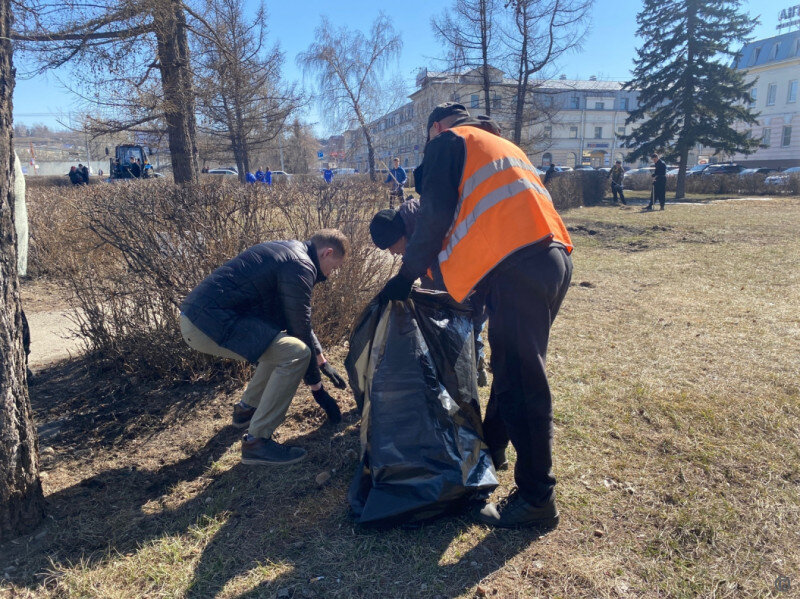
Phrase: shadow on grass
(258, 531)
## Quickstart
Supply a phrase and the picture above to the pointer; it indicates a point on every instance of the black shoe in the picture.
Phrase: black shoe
(499, 459)
(662, 207)
(515, 512)
(242, 416)
(258, 451)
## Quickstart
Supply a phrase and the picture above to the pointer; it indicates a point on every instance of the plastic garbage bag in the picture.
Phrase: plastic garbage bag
(412, 368)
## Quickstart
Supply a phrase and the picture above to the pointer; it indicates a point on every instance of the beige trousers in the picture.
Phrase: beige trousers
(278, 374)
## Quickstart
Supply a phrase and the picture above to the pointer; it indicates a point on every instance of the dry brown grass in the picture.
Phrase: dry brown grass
(677, 408)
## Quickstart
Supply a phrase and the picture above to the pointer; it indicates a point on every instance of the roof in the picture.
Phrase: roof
(545, 84)
(763, 52)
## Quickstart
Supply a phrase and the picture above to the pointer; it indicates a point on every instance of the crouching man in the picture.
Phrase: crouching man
(257, 308)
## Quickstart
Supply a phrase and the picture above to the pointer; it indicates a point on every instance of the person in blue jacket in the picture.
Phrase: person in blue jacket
(268, 176)
(249, 177)
(396, 179)
(327, 174)
(260, 175)
(257, 308)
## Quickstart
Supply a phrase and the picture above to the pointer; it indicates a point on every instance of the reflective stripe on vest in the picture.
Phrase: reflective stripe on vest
(502, 207)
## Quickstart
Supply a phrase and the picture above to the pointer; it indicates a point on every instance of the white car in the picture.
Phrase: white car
(281, 175)
(223, 171)
(783, 177)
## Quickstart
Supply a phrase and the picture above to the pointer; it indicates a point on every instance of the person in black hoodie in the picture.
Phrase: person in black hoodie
(659, 183)
(257, 308)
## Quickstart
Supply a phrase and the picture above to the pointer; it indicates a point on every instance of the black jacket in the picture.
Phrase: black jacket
(247, 301)
(660, 174)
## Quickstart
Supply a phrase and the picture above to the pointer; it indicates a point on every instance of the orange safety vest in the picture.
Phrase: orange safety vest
(502, 207)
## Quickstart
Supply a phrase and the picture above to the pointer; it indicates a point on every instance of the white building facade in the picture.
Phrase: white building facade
(570, 122)
(772, 65)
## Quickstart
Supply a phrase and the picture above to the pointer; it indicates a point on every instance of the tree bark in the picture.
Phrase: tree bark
(176, 81)
(21, 498)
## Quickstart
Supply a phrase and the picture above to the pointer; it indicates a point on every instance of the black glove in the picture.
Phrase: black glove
(328, 404)
(396, 288)
(334, 376)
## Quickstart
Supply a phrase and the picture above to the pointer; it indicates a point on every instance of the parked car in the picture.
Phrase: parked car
(748, 172)
(223, 171)
(697, 170)
(584, 167)
(281, 175)
(673, 172)
(723, 169)
(645, 170)
(782, 178)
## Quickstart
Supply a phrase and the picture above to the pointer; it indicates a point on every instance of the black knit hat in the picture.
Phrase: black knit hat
(386, 228)
(443, 111)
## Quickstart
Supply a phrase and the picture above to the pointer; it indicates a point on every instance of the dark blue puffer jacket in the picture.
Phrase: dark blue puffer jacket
(247, 301)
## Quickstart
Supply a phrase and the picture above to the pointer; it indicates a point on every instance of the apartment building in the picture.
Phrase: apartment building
(773, 67)
(568, 122)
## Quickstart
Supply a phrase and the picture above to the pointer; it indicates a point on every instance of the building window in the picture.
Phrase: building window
(775, 49)
(792, 95)
(474, 102)
(575, 102)
(496, 102)
(620, 131)
(573, 133)
(598, 132)
(599, 105)
(548, 132)
(623, 103)
(572, 159)
(772, 91)
(753, 96)
(786, 141)
(754, 56)
(765, 136)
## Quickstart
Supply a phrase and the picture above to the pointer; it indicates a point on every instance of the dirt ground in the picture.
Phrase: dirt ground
(47, 310)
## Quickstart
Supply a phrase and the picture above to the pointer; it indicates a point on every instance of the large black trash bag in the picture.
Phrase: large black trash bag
(412, 368)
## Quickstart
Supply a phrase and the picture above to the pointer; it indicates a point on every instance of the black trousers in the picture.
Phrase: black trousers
(660, 191)
(616, 188)
(523, 295)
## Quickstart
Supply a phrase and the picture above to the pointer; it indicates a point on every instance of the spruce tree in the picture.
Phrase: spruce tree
(688, 92)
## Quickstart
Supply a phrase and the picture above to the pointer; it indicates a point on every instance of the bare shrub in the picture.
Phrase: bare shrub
(130, 254)
(577, 188)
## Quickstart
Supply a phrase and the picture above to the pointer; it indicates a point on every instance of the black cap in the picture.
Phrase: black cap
(443, 111)
(386, 228)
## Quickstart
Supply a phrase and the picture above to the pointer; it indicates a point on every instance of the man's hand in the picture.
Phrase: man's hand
(397, 288)
(334, 376)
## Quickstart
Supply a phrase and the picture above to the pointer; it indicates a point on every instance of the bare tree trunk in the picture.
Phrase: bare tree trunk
(680, 184)
(487, 80)
(21, 498)
(176, 81)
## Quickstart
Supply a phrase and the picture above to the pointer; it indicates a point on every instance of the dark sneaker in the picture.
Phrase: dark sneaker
(499, 459)
(515, 512)
(257, 452)
(483, 377)
(242, 416)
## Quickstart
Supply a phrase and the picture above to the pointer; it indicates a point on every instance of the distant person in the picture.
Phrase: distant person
(249, 177)
(260, 175)
(268, 176)
(659, 182)
(616, 174)
(327, 174)
(100, 173)
(74, 176)
(136, 170)
(396, 179)
(548, 174)
(257, 308)
(84, 173)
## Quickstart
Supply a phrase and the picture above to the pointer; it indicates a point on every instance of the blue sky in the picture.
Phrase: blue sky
(607, 52)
